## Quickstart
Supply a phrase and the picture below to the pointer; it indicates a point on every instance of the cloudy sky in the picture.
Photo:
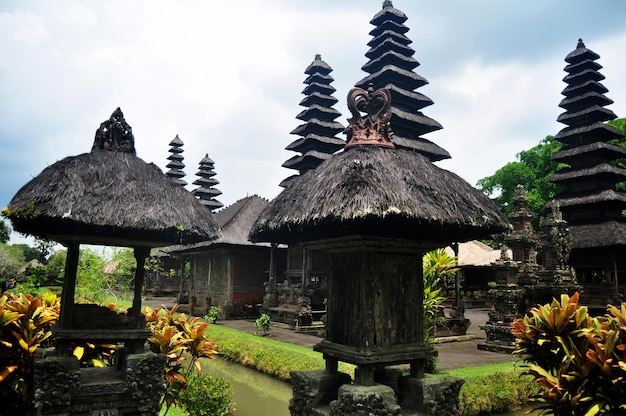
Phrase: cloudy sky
(226, 76)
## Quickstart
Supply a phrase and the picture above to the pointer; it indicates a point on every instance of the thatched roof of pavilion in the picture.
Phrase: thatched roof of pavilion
(375, 191)
(476, 254)
(109, 198)
(235, 222)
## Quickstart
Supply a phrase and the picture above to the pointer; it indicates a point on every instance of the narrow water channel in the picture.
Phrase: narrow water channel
(256, 394)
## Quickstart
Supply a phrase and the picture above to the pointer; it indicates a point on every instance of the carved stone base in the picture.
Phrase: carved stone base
(63, 389)
(499, 338)
(356, 400)
(453, 327)
(313, 389)
(318, 393)
(431, 395)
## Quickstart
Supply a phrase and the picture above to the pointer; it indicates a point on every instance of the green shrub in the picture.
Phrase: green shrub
(178, 336)
(207, 396)
(25, 325)
(438, 268)
(214, 313)
(264, 323)
(37, 275)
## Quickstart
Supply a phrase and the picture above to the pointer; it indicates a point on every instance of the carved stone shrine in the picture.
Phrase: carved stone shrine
(538, 271)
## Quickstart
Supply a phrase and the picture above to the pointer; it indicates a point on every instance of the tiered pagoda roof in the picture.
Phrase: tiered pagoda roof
(317, 142)
(391, 66)
(206, 191)
(590, 198)
(176, 165)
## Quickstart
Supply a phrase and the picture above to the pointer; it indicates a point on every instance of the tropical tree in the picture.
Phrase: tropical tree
(532, 170)
(124, 271)
(438, 267)
(5, 232)
(90, 276)
(579, 361)
(44, 248)
(27, 252)
(10, 262)
(56, 264)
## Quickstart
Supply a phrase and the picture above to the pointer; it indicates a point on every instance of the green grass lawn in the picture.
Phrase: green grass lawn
(487, 389)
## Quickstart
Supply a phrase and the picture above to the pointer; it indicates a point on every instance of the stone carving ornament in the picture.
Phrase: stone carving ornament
(375, 126)
(57, 380)
(146, 383)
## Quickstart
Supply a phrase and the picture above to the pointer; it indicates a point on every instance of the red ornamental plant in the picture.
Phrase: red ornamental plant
(178, 337)
(578, 360)
(25, 325)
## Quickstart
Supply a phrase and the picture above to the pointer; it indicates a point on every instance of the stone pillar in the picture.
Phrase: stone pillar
(375, 310)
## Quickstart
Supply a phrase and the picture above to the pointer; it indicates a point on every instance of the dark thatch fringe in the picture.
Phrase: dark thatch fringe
(369, 190)
(596, 235)
(109, 198)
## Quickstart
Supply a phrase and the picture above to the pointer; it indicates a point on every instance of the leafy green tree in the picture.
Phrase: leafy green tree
(532, 170)
(125, 266)
(10, 262)
(5, 232)
(620, 124)
(437, 267)
(44, 248)
(28, 253)
(56, 265)
(90, 276)
(37, 275)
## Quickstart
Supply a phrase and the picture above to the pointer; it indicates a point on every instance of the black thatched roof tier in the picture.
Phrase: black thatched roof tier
(587, 99)
(589, 194)
(176, 165)
(582, 117)
(598, 131)
(587, 86)
(604, 170)
(314, 141)
(600, 200)
(317, 142)
(375, 191)
(391, 65)
(596, 235)
(309, 160)
(587, 154)
(206, 191)
(109, 198)
(318, 112)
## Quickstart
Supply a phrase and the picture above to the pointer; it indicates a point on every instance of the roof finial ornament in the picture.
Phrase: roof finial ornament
(375, 127)
(580, 44)
(387, 3)
(318, 57)
(115, 135)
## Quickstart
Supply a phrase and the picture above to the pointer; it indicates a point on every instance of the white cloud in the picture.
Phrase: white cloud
(227, 78)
